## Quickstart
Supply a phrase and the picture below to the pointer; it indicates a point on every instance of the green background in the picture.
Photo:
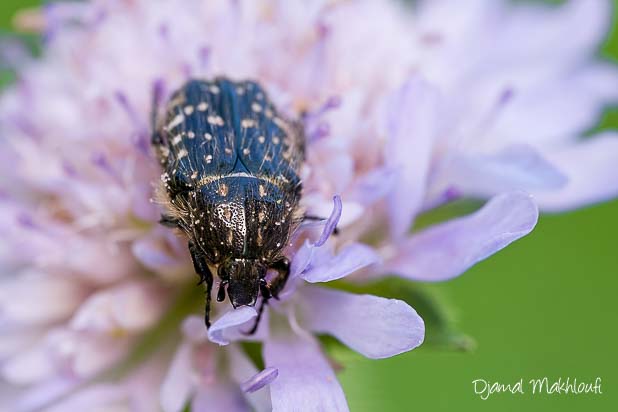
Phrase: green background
(545, 306)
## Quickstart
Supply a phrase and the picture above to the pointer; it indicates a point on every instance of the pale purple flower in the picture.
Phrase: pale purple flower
(405, 110)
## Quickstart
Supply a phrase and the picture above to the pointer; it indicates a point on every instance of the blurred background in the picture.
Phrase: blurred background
(544, 307)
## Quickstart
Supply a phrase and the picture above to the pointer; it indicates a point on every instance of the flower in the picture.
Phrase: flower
(405, 110)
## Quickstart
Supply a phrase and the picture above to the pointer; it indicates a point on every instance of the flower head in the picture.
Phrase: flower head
(404, 110)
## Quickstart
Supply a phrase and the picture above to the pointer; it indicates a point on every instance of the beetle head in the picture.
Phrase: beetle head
(243, 279)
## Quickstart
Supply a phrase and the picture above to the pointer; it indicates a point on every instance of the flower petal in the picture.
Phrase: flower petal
(389, 326)
(306, 382)
(177, 386)
(60, 294)
(242, 369)
(133, 306)
(447, 250)
(411, 125)
(331, 223)
(259, 380)
(219, 397)
(591, 168)
(325, 267)
(225, 328)
(518, 167)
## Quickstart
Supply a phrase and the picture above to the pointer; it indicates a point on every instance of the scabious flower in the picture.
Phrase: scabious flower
(405, 110)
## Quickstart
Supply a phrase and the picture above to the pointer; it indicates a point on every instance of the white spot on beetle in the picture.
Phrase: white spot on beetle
(202, 107)
(215, 120)
(177, 120)
(246, 123)
(207, 136)
(190, 135)
(256, 107)
(208, 159)
(188, 110)
(214, 89)
(261, 139)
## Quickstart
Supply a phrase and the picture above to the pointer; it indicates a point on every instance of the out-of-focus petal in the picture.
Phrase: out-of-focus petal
(306, 382)
(60, 294)
(389, 326)
(83, 354)
(447, 250)
(194, 330)
(412, 114)
(325, 267)
(374, 185)
(128, 307)
(177, 386)
(29, 366)
(518, 167)
(591, 167)
(226, 328)
(219, 397)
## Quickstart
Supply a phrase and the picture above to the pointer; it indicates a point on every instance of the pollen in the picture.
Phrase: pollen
(207, 136)
(208, 159)
(223, 190)
(256, 107)
(182, 153)
(246, 151)
(261, 139)
(188, 110)
(262, 190)
(176, 139)
(214, 89)
(190, 135)
(276, 140)
(202, 107)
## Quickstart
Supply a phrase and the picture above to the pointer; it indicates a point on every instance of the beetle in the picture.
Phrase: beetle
(231, 183)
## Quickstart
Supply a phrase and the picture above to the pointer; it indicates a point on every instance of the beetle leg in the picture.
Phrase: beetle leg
(201, 268)
(282, 266)
(266, 295)
(168, 221)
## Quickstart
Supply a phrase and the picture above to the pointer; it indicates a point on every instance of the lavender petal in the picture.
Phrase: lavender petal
(590, 167)
(447, 250)
(389, 326)
(226, 327)
(306, 382)
(259, 380)
(332, 221)
(325, 267)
